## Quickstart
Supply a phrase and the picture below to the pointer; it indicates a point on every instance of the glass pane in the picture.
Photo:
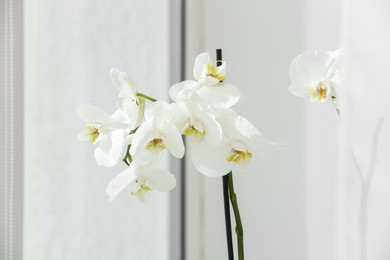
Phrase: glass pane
(70, 47)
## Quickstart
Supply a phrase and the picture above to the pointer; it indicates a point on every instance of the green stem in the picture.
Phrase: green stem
(146, 97)
(128, 159)
(239, 229)
(134, 130)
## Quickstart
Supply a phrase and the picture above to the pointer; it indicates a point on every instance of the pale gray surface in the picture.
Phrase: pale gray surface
(70, 48)
(367, 37)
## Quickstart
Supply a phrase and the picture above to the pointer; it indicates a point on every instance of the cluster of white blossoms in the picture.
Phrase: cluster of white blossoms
(142, 129)
(316, 75)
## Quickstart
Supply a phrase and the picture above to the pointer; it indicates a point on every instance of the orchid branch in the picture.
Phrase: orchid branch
(128, 159)
(228, 224)
(239, 229)
(146, 97)
(226, 187)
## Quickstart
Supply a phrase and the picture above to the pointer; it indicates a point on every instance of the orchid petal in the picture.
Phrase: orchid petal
(213, 133)
(84, 136)
(109, 151)
(173, 139)
(300, 90)
(114, 74)
(134, 110)
(120, 182)
(223, 95)
(121, 117)
(210, 160)
(92, 114)
(188, 95)
(252, 137)
(124, 83)
(160, 179)
(140, 138)
(336, 65)
(200, 61)
(309, 68)
(178, 87)
(159, 109)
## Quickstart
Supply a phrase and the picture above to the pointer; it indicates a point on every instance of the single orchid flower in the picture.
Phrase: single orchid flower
(142, 179)
(157, 134)
(104, 130)
(133, 104)
(315, 75)
(210, 83)
(241, 142)
(196, 123)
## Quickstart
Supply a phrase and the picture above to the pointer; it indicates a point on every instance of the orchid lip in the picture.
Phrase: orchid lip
(239, 153)
(194, 129)
(93, 133)
(238, 156)
(212, 71)
(156, 144)
(143, 186)
(321, 92)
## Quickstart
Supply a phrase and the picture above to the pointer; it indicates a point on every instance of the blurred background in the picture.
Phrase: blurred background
(302, 202)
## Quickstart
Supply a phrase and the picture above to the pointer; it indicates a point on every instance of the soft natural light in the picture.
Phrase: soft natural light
(194, 130)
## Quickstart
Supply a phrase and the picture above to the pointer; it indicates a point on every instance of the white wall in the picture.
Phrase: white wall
(70, 47)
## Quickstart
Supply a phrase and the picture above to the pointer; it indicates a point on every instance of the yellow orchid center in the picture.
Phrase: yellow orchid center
(157, 145)
(213, 71)
(143, 189)
(238, 156)
(93, 133)
(321, 92)
(194, 129)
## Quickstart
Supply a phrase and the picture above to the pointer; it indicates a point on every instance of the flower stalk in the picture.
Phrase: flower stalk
(146, 97)
(228, 224)
(239, 229)
(127, 159)
(225, 181)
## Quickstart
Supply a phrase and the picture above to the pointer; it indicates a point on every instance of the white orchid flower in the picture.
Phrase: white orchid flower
(157, 134)
(142, 179)
(131, 103)
(210, 84)
(159, 109)
(196, 123)
(242, 141)
(104, 130)
(315, 75)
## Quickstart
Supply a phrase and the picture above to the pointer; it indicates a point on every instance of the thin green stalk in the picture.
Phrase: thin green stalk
(228, 222)
(134, 130)
(239, 229)
(146, 97)
(127, 159)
